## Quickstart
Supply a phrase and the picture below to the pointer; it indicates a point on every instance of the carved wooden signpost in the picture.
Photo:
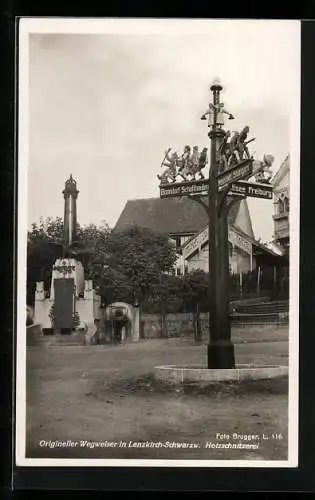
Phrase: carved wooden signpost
(233, 174)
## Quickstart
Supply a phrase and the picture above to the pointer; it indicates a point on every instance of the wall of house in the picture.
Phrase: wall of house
(281, 189)
(239, 261)
(243, 220)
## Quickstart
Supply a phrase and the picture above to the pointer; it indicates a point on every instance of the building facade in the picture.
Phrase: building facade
(195, 253)
(281, 190)
(186, 224)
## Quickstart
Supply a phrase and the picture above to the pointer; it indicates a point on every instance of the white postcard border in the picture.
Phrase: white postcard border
(147, 26)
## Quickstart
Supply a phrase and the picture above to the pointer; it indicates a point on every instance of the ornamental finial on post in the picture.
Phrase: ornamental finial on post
(216, 109)
(216, 84)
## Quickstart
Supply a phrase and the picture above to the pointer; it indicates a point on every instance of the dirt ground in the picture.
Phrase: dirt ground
(103, 402)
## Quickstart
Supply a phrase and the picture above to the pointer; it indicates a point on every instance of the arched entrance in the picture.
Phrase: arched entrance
(122, 322)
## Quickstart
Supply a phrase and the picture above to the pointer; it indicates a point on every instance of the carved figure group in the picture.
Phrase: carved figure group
(187, 166)
(234, 149)
(231, 151)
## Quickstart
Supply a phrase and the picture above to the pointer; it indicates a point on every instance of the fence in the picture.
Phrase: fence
(262, 282)
(173, 325)
(184, 324)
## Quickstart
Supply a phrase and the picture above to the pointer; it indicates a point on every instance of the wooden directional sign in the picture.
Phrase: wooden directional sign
(243, 169)
(251, 189)
(243, 188)
(184, 188)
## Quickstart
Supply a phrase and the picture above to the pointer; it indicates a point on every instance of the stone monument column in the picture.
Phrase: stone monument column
(70, 194)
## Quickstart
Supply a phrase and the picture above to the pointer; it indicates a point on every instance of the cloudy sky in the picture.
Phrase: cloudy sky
(104, 106)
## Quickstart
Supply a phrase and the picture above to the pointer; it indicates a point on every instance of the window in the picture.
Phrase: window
(176, 240)
(230, 249)
(280, 207)
(283, 204)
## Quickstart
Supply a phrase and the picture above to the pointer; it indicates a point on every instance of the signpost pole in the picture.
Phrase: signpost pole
(220, 347)
(223, 189)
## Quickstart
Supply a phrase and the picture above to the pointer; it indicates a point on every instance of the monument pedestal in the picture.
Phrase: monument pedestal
(72, 304)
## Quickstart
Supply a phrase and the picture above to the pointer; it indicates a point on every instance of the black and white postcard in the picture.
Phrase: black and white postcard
(158, 243)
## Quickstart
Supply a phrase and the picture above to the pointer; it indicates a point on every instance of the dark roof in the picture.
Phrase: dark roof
(168, 215)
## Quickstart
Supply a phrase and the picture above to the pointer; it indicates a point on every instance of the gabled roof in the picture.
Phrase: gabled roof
(283, 169)
(256, 244)
(169, 215)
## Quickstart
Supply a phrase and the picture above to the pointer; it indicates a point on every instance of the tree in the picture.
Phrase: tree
(134, 261)
(45, 245)
(42, 252)
(92, 247)
(123, 266)
(195, 295)
(168, 288)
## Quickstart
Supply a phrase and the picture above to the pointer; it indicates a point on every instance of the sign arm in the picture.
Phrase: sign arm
(232, 201)
(199, 200)
(223, 201)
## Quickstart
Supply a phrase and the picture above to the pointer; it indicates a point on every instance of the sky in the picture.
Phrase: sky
(104, 107)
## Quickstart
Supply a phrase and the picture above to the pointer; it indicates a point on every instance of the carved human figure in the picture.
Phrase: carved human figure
(203, 160)
(233, 153)
(186, 155)
(242, 144)
(170, 161)
(224, 152)
(195, 158)
(220, 111)
(185, 163)
(198, 162)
